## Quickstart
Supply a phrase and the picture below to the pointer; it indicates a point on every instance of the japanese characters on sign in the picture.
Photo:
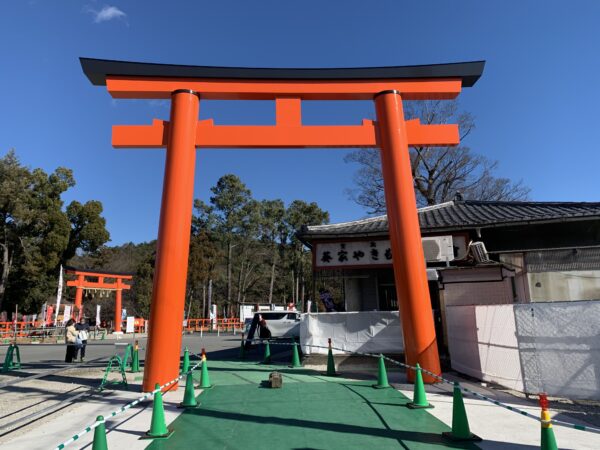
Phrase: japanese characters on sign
(379, 252)
(353, 253)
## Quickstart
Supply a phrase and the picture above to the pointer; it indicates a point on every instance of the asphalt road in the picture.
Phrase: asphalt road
(217, 347)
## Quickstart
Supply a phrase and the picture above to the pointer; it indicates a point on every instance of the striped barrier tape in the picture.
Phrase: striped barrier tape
(463, 389)
(127, 406)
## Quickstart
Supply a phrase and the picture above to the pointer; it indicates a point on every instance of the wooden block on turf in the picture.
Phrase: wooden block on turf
(275, 380)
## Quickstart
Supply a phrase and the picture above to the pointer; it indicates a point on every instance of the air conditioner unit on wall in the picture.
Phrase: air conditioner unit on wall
(438, 248)
(479, 252)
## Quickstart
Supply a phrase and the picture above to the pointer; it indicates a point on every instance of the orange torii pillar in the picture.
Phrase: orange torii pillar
(170, 272)
(118, 306)
(183, 133)
(410, 272)
(79, 295)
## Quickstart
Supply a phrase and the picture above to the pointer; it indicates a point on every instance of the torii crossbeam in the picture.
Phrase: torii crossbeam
(99, 281)
(288, 88)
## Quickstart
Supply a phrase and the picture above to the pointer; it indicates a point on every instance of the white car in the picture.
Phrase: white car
(282, 324)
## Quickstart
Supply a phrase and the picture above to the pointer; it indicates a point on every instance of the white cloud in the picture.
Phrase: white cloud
(108, 13)
(159, 103)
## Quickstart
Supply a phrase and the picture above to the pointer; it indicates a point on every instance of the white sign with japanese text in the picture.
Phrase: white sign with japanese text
(378, 252)
(357, 253)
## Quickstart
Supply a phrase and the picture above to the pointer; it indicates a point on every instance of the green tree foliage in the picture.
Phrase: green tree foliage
(257, 258)
(204, 257)
(299, 214)
(141, 292)
(231, 213)
(36, 234)
(272, 227)
(242, 250)
(88, 228)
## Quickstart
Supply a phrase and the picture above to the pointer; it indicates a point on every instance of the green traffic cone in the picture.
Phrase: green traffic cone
(242, 349)
(460, 422)
(295, 357)
(158, 426)
(330, 363)
(548, 438)
(186, 361)
(419, 396)
(135, 362)
(382, 380)
(189, 398)
(267, 357)
(204, 377)
(100, 435)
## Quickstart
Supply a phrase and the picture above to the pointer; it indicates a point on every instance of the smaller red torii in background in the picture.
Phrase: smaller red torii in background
(81, 283)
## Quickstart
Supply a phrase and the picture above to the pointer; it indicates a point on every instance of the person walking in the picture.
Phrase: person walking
(83, 329)
(263, 330)
(71, 341)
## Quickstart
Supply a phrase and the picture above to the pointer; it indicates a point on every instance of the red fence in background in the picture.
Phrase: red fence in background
(25, 329)
(217, 325)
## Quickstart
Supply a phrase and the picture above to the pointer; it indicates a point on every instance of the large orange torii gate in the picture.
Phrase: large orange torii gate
(100, 282)
(183, 133)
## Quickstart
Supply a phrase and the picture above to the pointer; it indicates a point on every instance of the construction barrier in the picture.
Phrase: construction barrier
(117, 363)
(9, 360)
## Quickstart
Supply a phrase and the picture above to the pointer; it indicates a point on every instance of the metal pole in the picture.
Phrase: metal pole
(15, 322)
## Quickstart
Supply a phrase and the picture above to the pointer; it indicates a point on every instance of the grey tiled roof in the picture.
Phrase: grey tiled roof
(467, 214)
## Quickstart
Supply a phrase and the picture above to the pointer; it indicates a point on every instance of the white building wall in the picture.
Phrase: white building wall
(551, 347)
(478, 293)
(567, 285)
(482, 343)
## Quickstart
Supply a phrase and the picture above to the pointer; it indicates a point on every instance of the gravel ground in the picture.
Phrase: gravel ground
(29, 403)
(26, 404)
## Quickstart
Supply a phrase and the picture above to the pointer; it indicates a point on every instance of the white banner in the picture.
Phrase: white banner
(66, 314)
(364, 331)
(213, 317)
(97, 315)
(130, 327)
(43, 315)
(59, 293)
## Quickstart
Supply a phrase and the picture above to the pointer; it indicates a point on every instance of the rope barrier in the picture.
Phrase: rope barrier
(393, 361)
(127, 406)
(444, 380)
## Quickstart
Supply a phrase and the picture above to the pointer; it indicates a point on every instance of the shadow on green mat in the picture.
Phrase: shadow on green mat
(311, 412)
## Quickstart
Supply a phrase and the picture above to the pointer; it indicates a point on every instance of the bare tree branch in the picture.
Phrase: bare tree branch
(438, 173)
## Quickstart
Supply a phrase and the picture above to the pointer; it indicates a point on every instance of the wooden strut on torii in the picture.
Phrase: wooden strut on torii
(81, 282)
(188, 86)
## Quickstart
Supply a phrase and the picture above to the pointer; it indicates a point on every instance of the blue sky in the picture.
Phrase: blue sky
(536, 106)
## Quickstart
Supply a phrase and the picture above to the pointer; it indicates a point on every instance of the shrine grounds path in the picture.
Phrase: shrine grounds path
(310, 411)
